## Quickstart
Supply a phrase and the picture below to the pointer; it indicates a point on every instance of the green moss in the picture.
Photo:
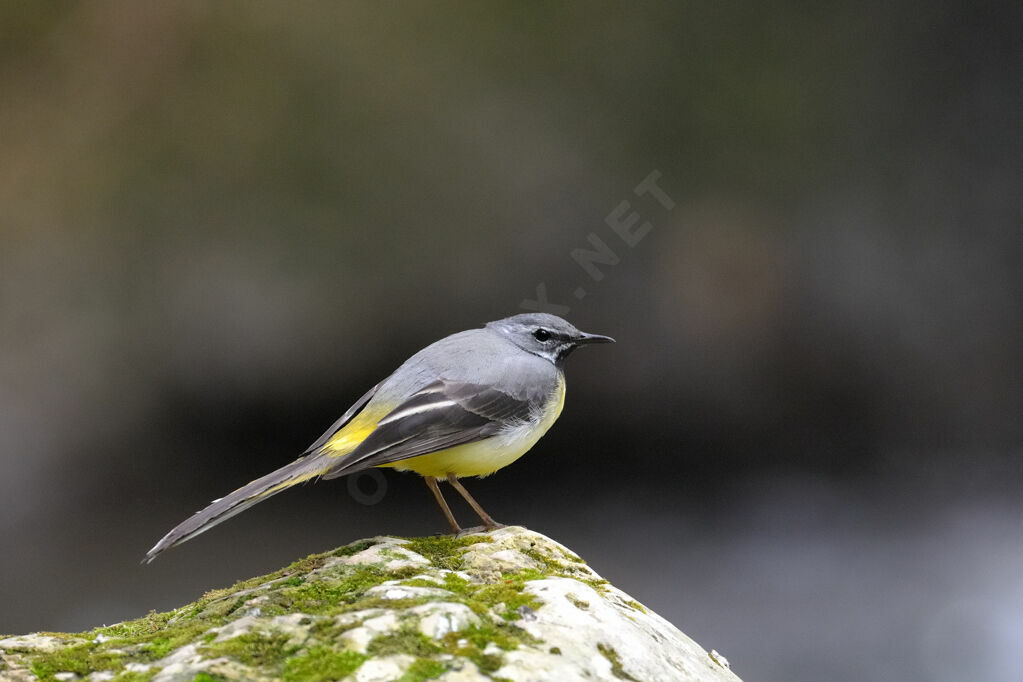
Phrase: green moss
(354, 548)
(147, 624)
(423, 669)
(134, 676)
(219, 608)
(471, 642)
(487, 663)
(335, 594)
(573, 570)
(550, 565)
(510, 592)
(405, 572)
(553, 567)
(155, 635)
(156, 645)
(611, 655)
(577, 602)
(634, 605)
(395, 553)
(420, 582)
(381, 603)
(315, 596)
(571, 558)
(337, 590)
(208, 677)
(507, 637)
(457, 584)
(483, 597)
(556, 651)
(442, 550)
(329, 630)
(245, 587)
(599, 586)
(320, 664)
(405, 640)
(300, 567)
(253, 649)
(80, 659)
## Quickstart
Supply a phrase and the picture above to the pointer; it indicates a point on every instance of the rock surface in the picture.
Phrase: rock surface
(505, 605)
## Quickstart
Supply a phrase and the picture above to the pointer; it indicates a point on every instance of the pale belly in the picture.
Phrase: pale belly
(486, 456)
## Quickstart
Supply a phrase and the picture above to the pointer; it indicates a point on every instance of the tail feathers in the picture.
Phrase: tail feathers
(221, 510)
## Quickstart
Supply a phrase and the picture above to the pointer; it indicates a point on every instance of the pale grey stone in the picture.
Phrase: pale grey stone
(358, 639)
(36, 642)
(392, 590)
(383, 669)
(573, 627)
(438, 619)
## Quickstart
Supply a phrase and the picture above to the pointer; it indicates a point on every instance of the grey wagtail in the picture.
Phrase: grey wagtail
(466, 405)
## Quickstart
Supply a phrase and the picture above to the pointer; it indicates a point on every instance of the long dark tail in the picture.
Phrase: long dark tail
(302, 469)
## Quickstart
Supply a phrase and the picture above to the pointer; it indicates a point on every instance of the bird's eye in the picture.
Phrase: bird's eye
(541, 335)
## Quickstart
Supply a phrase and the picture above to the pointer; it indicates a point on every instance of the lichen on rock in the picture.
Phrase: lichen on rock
(510, 604)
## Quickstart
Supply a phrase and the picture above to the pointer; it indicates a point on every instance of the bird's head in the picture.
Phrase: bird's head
(545, 335)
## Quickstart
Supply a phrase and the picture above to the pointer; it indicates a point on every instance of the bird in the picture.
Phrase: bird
(466, 405)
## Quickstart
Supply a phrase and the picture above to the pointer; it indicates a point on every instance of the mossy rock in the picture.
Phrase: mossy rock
(504, 605)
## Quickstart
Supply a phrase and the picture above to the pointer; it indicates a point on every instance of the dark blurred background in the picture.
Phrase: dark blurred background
(222, 223)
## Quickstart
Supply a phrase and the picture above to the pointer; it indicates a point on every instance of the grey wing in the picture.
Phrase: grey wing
(345, 418)
(439, 416)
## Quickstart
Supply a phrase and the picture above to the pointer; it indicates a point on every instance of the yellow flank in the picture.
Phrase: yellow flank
(355, 431)
(339, 445)
(487, 456)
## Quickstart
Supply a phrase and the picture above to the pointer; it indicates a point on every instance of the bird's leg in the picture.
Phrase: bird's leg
(488, 522)
(431, 483)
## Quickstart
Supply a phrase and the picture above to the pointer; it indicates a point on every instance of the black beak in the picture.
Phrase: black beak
(585, 338)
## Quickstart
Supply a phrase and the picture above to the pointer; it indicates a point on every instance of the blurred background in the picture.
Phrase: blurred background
(221, 224)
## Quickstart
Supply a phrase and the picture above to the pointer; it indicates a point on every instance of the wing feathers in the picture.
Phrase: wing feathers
(440, 416)
(415, 409)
